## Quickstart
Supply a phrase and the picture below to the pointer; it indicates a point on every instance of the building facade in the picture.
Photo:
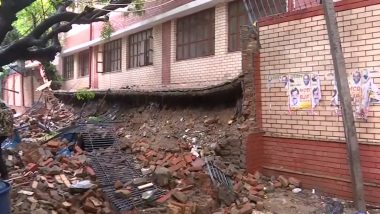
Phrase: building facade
(175, 44)
(20, 85)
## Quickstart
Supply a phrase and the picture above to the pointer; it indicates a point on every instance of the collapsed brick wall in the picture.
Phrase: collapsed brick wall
(250, 97)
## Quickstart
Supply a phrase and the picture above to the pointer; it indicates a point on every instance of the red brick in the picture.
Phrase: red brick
(142, 158)
(32, 167)
(178, 166)
(167, 157)
(164, 198)
(188, 158)
(47, 162)
(90, 171)
(175, 161)
(53, 144)
(65, 160)
(246, 209)
(151, 153)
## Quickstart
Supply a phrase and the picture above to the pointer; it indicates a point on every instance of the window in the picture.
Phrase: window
(237, 16)
(141, 49)
(112, 56)
(68, 67)
(84, 61)
(196, 35)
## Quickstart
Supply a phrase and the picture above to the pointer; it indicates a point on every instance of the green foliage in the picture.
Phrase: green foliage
(139, 5)
(31, 16)
(136, 7)
(84, 95)
(52, 74)
(107, 30)
(11, 36)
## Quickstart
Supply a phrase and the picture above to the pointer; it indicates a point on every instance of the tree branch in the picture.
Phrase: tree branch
(40, 44)
(8, 11)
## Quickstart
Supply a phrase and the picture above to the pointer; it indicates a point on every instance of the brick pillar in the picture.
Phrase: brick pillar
(166, 52)
(251, 105)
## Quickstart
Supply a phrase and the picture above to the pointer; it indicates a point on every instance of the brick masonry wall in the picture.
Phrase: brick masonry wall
(145, 77)
(321, 165)
(191, 73)
(302, 46)
(209, 70)
(119, 21)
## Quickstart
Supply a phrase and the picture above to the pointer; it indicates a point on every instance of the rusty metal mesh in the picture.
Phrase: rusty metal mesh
(259, 9)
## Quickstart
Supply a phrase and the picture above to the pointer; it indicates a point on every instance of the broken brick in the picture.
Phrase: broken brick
(87, 194)
(167, 157)
(90, 171)
(188, 158)
(259, 187)
(142, 158)
(32, 167)
(246, 209)
(164, 198)
(178, 166)
(175, 161)
(150, 154)
(53, 144)
(294, 181)
(47, 162)
(88, 206)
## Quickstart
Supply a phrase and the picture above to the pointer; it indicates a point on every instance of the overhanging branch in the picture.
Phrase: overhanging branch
(42, 42)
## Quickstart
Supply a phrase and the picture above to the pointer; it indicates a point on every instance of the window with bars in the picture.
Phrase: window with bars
(84, 60)
(112, 56)
(237, 17)
(140, 49)
(196, 35)
(68, 67)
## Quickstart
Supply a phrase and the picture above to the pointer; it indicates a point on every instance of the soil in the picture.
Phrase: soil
(164, 126)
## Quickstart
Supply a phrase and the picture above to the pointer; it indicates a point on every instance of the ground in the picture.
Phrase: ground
(160, 136)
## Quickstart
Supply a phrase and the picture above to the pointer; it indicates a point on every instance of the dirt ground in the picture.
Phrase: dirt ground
(286, 202)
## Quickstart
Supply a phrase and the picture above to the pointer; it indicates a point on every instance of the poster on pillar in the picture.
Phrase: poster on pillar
(304, 91)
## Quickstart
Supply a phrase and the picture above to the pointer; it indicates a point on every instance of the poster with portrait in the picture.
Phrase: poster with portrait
(315, 90)
(300, 92)
(364, 92)
(355, 84)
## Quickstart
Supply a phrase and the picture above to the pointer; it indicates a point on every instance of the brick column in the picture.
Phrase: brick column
(251, 111)
(166, 52)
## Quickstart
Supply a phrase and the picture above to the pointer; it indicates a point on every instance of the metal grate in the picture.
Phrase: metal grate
(259, 9)
(217, 175)
(111, 164)
(133, 201)
(96, 135)
(115, 165)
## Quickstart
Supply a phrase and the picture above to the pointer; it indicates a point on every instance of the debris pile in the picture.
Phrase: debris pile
(45, 118)
(191, 184)
(53, 182)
